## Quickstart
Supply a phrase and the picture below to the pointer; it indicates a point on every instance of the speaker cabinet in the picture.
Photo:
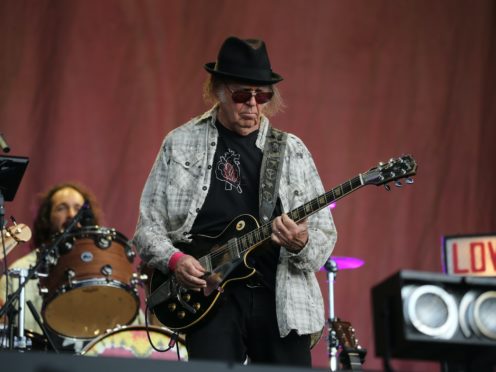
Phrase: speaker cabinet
(434, 316)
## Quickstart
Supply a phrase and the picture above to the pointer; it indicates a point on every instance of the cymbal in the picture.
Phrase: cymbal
(345, 263)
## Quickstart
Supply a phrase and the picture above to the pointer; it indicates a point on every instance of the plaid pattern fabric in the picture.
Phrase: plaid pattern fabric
(176, 190)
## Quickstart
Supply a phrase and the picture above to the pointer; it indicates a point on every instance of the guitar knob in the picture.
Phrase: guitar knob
(398, 184)
(409, 180)
(196, 306)
(181, 314)
(187, 297)
(172, 307)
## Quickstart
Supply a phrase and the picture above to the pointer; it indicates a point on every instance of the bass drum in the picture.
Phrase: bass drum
(132, 341)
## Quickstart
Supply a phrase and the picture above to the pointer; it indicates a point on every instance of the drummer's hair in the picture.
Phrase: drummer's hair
(42, 227)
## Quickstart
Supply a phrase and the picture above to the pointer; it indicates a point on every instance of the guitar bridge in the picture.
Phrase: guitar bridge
(184, 303)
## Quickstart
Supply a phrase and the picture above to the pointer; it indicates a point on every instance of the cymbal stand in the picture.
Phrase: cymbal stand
(332, 269)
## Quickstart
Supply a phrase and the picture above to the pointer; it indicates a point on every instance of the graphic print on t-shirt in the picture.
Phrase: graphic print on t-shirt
(228, 171)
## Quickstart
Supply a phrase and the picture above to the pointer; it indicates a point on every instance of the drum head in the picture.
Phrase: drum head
(132, 341)
(87, 311)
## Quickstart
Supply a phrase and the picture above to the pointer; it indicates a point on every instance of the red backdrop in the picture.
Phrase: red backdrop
(89, 88)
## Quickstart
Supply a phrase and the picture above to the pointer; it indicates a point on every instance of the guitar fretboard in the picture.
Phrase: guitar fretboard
(259, 235)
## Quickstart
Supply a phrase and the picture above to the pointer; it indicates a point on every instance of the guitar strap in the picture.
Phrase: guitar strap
(270, 174)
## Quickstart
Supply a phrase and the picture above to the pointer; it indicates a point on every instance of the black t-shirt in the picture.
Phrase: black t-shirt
(234, 191)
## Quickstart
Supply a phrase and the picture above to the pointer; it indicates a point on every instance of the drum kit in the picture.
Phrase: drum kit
(87, 284)
(89, 289)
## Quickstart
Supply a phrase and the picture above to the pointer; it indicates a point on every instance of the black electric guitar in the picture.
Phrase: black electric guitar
(225, 257)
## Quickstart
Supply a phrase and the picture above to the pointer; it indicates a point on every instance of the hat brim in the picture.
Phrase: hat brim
(275, 78)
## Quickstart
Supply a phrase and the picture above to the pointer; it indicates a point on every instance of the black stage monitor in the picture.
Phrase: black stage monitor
(434, 316)
(12, 169)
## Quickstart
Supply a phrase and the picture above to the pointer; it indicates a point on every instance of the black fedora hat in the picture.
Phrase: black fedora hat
(244, 60)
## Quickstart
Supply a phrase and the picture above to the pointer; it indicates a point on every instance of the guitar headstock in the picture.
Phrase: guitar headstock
(351, 354)
(394, 170)
(345, 334)
(13, 235)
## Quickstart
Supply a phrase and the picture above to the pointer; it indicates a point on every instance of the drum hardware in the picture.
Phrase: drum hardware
(139, 279)
(25, 339)
(103, 242)
(107, 271)
(35, 341)
(43, 290)
(41, 275)
(19, 341)
(66, 247)
(70, 274)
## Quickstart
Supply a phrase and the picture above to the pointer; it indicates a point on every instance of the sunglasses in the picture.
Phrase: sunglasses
(242, 96)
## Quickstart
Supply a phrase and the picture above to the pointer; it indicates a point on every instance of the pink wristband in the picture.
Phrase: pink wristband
(173, 260)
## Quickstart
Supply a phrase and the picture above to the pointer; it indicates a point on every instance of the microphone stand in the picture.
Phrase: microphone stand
(32, 272)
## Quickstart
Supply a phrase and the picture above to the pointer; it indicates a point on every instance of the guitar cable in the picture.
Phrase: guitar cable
(172, 342)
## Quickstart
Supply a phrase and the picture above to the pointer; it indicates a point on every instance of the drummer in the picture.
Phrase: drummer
(56, 209)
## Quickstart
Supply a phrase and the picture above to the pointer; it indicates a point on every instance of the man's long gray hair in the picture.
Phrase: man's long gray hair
(213, 93)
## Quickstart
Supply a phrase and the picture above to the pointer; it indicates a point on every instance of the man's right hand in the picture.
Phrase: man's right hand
(188, 273)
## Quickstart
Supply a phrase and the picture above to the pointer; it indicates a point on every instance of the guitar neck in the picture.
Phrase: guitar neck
(261, 234)
(326, 199)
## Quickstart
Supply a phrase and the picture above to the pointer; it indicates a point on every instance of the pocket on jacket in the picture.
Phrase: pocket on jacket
(185, 169)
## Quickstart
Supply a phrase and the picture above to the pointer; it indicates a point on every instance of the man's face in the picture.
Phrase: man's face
(244, 117)
(65, 204)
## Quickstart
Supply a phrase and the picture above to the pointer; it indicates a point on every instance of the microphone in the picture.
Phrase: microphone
(88, 217)
(3, 144)
(71, 223)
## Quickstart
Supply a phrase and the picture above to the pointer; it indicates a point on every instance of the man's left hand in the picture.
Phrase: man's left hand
(285, 232)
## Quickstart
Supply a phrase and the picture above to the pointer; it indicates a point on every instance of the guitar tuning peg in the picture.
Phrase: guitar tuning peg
(386, 186)
(409, 180)
(398, 184)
